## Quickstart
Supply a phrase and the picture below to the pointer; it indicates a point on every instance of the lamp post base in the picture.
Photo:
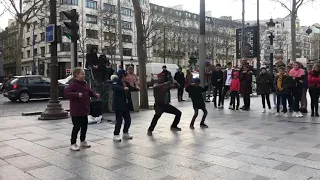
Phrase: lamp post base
(54, 111)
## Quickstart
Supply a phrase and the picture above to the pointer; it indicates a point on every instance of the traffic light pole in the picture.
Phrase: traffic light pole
(73, 56)
(120, 34)
(202, 46)
(54, 109)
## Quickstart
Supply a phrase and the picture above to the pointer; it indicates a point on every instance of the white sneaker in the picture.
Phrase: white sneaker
(117, 138)
(126, 136)
(85, 144)
(286, 115)
(277, 114)
(271, 111)
(220, 107)
(74, 147)
(300, 114)
(264, 110)
(295, 114)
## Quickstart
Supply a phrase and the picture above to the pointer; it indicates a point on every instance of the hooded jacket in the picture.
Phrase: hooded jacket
(314, 79)
(264, 83)
(92, 58)
(195, 93)
(235, 82)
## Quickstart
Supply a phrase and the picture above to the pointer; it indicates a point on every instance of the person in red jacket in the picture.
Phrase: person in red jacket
(235, 90)
(314, 89)
(79, 94)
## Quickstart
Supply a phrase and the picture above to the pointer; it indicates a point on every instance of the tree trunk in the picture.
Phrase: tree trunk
(142, 54)
(18, 51)
(227, 54)
(293, 31)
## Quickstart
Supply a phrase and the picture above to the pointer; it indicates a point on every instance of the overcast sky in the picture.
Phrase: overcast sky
(308, 14)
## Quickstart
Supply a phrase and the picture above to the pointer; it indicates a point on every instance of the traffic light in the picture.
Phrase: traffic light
(71, 30)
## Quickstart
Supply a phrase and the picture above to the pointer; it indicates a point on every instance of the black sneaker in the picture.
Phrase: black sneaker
(312, 115)
(233, 108)
(317, 115)
(175, 129)
(149, 133)
(203, 125)
(191, 126)
(237, 108)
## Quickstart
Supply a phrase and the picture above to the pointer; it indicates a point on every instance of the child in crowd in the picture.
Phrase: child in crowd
(273, 89)
(297, 74)
(289, 96)
(196, 94)
(217, 83)
(79, 94)
(281, 84)
(265, 83)
(314, 89)
(235, 90)
(122, 106)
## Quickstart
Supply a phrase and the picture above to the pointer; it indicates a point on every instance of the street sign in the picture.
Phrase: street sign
(50, 32)
(270, 49)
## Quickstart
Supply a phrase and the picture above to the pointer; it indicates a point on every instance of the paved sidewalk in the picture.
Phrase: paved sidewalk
(237, 146)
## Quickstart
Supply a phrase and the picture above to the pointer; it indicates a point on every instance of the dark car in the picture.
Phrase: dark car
(24, 88)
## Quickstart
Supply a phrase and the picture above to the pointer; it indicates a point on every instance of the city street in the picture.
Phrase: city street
(237, 146)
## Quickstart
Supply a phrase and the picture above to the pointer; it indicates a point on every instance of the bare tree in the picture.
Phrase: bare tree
(142, 54)
(227, 42)
(281, 41)
(293, 7)
(315, 47)
(23, 11)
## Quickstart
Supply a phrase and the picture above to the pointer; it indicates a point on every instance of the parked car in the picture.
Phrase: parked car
(24, 88)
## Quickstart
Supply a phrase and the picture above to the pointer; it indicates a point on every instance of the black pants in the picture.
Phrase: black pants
(225, 90)
(180, 93)
(296, 94)
(290, 100)
(282, 98)
(234, 96)
(264, 98)
(120, 116)
(196, 112)
(246, 100)
(167, 108)
(79, 123)
(314, 95)
(217, 91)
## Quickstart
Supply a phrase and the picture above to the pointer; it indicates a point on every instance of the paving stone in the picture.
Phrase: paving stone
(141, 160)
(30, 136)
(64, 161)
(168, 178)
(274, 139)
(227, 173)
(25, 161)
(283, 166)
(255, 146)
(103, 161)
(257, 160)
(138, 172)
(305, 171)
(232, 155)
(260, 178)
(39, 151)
(314, 157)
(236, 133)
(8, 151)
(201, 166)
(19, 143)
(91, 171)
(9, 172)
(289, 133)
(6, 136)
(303, 128)
(50, 143)
(2, 162)
(303, 155)
(51, 172)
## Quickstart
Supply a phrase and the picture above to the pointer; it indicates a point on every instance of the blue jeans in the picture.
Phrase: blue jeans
(282, 98)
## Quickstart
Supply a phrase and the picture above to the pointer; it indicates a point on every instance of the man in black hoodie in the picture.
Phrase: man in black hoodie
(217, 83)
(92, 62)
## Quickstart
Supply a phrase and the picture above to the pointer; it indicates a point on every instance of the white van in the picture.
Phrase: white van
(153, 69)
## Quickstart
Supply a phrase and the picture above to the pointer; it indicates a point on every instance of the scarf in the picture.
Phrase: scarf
(297, 72)
(279, 82)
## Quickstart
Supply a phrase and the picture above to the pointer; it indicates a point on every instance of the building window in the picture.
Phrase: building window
(28, 41)
(35, 52)
(126, 25)
(70, 2)
(92, 34)
(65, 47)
(127, 38)
(91, 46)
(109, 36)
(43, 51)
(28, 54)
(109, 22)
(42, 37)
(91, 4)
(92, 19)
(110, 50)
(127, 52)
(126, 11)
(109, 8)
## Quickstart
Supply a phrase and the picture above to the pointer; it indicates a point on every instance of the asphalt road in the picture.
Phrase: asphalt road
(8, 108)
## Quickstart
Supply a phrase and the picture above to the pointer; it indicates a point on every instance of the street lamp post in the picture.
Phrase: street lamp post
(271, 26)
(164, 44)
(54, 109)
(202, 43)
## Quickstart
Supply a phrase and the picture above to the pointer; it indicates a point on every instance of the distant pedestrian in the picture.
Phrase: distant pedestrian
(208, 69)
(217, 83)
(189, 78)
(314, 89)
(196, 93)
(297, 74)
(281, 83)
(227, 77)
(304, 101)
(161, 92)
(289, 95)
(181, 80)
(246, 86)
(122, 105)
(273, 89)
(79, 94)
(265, 83)
(235, 91)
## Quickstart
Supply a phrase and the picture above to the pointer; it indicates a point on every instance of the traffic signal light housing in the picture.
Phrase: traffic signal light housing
(72, 27)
